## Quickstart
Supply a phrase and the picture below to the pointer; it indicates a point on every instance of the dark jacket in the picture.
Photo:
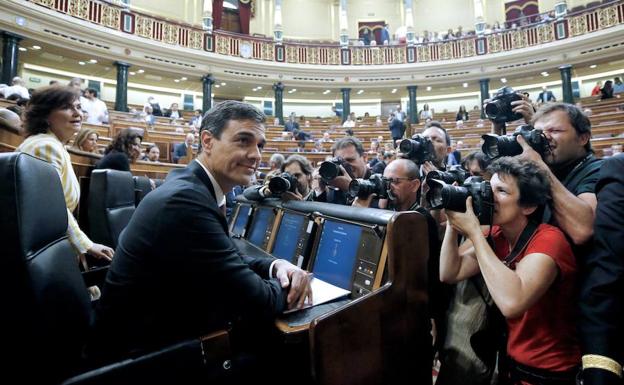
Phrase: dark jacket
(114, 160)
(177, 274)
(602, 281)
(179, 151)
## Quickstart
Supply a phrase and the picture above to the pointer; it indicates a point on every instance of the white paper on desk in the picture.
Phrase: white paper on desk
(322, 292)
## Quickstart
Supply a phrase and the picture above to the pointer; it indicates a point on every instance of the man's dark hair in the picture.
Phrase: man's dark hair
(92, 91)
(215, 120)
(346, 142)
(479, 156)
(304, 164)
(577, 118)
(42, 103)
(123, 141)
(435, 123)
(533, 183)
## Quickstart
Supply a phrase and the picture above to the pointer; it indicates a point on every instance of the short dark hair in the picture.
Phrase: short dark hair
(479, 156)
(123, 141)
(346, 142)
(42, 103)
(215, 120)
(438, 125)
(578, 120)
(92, 91)
(533, 183)
(304, 163)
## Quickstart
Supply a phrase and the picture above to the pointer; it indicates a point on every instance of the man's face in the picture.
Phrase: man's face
(174, 106)
(153, 154)
(474, 168)
(303, 180)
(234, 158)
(351, 156)
(439, 144)
(566, 145)
(403, 190)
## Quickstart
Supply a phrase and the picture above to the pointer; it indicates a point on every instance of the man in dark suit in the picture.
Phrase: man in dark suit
(180, 149)
(546, 96)
(176, 273)
(601, 301)
(397, 129)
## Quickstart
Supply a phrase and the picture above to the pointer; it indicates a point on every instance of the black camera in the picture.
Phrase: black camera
(282, 183)
(445, 196)
(495, 146)
(454, 174)
(419, 149)
(499, 109)
(330, 169)
(376, 184)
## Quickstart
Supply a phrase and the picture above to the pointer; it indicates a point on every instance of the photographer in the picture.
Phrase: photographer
(294, 183)
(441, 145)
(349, 153)
(529, 271)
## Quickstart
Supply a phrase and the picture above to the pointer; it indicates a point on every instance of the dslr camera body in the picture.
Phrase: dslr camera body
(454, 174)
(442, 195)
(282, 183)
(499, 109)
(363, 188)
(418, 149)
(495, 146)
(330, 169)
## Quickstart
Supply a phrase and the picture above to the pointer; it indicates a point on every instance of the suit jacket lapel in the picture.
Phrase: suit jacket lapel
(200, 173)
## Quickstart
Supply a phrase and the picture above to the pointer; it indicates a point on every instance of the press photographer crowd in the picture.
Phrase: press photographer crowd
(525, 239)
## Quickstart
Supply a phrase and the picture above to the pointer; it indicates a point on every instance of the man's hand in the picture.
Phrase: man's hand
(524, 108)
(101, 252)
(366, 202)
(298, 280)
(466, 223)
(528, 153)
(427, 167)
(291, 196)
(341, 182)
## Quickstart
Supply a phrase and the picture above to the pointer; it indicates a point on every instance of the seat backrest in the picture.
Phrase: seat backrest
(142, 187)
(46, 311)
(111, 205)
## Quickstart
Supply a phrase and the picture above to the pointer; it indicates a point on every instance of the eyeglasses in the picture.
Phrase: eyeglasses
(395, 181)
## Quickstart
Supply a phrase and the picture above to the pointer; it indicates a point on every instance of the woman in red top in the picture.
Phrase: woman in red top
(596, 89)
(536, 292)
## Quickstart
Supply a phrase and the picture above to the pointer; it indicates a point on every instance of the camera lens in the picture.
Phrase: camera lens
(329, 170)
(408, 146)
(279, 185)
(495, 146)
(445, 196)
(494, 109)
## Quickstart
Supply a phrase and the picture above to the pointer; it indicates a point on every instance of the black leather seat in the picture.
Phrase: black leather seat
(46, 311)
(142, 187)
(111, 205)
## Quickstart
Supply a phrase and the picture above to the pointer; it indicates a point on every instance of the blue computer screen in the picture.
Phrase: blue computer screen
(262, 217)
(335, 256)
(241, 220)
(288, 236)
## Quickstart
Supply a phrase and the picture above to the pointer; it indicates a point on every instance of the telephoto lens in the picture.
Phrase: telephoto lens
(454, 174)
(445, 196)
(363, 188)
(418, 149)
(329, 170)
(495, 146)
(499, 109)
(279, 184)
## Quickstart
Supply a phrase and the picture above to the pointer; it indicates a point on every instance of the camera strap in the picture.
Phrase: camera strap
(522, 243)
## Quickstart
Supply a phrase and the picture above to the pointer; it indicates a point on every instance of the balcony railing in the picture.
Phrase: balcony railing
(228, 44)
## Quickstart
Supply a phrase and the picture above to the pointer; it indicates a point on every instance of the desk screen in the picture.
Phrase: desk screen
(336, 253)
(288, 236)
(240, 223)
(263, 218)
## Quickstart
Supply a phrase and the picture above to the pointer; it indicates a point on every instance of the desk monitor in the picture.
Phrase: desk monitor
(293, 238)
(261, 227)
(348, 256)
(240, 220)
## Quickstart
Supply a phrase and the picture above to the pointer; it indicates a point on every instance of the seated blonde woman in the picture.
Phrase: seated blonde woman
(52, 118)
(86, 140)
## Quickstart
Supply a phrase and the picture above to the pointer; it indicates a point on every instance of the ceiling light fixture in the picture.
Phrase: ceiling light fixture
(36, 47)
(503, 80)
(394, 91)
(217, 86)
(23, 49)
(176, 80)
(223, 83)
(360, 92)
(183, 78)
(140, 71)
(428, 88)
(93, 61)
(593, 66)
(132, 73)
(465, 85)
(544, 74)
(81, 63)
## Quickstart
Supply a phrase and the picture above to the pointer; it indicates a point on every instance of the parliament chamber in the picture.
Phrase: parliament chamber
(317, 72)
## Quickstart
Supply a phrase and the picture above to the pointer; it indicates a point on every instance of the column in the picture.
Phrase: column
(207, 82)
(121, 97)
(10, 45)
(566, 83)
(344, 25)
(413, 108)
(346, 106)
(409, 23)
(207, 16)
(484, 84)
(279, 92)
(278, 32)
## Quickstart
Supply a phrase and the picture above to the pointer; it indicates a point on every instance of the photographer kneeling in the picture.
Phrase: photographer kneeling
(529, 271)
